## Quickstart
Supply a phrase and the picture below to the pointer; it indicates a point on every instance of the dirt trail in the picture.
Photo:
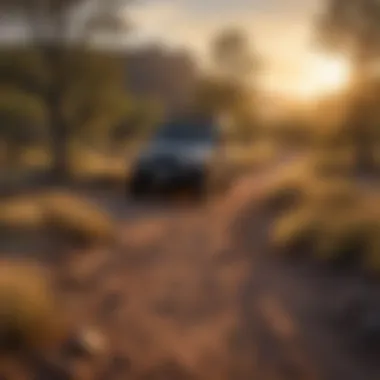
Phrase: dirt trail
(189, 294)
(171, 293)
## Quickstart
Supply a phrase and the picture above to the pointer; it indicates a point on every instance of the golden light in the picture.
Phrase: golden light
(324, 75)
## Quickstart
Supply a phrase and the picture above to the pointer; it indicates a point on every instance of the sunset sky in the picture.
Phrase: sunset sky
(280, 30)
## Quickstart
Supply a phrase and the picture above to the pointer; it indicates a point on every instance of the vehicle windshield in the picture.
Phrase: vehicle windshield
(186, 133)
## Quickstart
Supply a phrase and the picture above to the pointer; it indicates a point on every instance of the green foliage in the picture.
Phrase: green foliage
(24, 68)
(352, 26)
(65, 71)
(22, 116)
(95, 100)
(232, 54)
(228, 93)
(143, 119)
(216, 95)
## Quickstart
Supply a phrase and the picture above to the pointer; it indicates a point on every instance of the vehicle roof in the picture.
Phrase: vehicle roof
(187, 127)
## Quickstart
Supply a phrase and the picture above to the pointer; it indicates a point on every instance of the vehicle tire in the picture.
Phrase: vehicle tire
(137, 187)
(201, 190)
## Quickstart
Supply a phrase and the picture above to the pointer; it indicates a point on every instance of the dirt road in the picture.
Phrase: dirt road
(191, 294)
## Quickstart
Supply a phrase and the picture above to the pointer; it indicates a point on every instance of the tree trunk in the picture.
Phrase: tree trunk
(359, 119)
(59, 141)
(13, 156)
(58, 128)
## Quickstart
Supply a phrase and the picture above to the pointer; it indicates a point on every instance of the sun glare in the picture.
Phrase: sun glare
(324, 75)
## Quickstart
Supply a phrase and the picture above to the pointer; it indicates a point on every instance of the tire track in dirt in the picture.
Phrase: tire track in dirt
(180, 295)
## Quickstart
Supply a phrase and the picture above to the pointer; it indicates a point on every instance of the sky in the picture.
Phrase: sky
(279, 30)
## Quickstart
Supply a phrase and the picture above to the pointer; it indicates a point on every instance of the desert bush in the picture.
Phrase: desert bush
(333, 194)
(77, 219)
(92, 167)
(295, 231)
(291, 188)
(335, 223)
(29, 315)
(343, 237)
(69, 216)
(252, 155)
(22, 213)
(339, 162)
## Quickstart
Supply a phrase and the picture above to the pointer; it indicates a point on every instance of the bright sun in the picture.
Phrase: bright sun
(324, 75)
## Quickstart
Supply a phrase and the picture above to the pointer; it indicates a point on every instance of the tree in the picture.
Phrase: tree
(23, 68)
(230, 93)
(22, 120)
(50, 23)
(233, 56)
(140, 122)
(215, 95)
(94, 98)
(353, 28)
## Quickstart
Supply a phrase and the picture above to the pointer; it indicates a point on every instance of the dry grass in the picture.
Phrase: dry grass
(337, 162)
(85, 164)
(29, 316)
(21, 213)
(291, 187)
(252, 156)
(294, 230)
(72, 217)
(77, 219)
(90, 166)
(334, 223)
(301, 182)
(332, 195)
(36, 158)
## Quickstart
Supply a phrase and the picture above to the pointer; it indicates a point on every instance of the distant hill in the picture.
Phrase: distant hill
(167, 75)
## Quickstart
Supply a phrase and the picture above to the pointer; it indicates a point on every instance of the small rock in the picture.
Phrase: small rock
(87, 343)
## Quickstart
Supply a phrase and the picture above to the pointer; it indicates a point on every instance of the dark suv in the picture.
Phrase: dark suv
(183, 155)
